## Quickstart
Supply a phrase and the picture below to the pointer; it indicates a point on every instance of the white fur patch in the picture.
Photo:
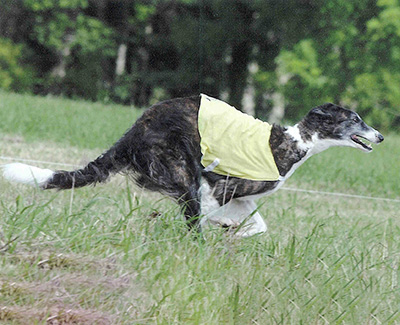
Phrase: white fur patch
(208, 201)
(294, 132)
(22, 173)
(323, 144)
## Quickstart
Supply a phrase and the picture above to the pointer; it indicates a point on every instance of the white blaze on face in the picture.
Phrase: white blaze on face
(22, 173)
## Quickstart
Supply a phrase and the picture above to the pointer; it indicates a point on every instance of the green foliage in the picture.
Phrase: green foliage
(93, 36)
(307, 86)
(354, 61)
(143, 12)
(377, 89)
(13, 74)
(347, 52)
(376, 95)
(54, 20)
(40, 5)
(75, 39)
(303, 62)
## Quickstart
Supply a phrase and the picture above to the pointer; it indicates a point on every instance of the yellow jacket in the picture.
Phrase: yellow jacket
(237, 143)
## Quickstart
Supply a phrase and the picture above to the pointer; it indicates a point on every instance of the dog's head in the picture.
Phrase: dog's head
(341, 127)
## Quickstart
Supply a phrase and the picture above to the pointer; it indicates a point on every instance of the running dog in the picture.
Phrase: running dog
(163, 151)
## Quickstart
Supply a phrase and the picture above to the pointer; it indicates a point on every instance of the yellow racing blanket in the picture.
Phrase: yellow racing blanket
(233, 143)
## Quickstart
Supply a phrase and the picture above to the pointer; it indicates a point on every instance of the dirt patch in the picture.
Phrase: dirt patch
(58, 314)
(12, 139)
(72, 282)
(51, 260)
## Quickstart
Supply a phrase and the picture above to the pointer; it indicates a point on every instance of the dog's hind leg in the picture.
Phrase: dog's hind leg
(182, 186)
(190, 203)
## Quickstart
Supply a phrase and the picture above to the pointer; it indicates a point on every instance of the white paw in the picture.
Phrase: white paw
(224, 222)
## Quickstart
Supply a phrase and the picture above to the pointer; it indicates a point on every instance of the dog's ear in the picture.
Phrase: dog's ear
(323, 111)
(320, 112)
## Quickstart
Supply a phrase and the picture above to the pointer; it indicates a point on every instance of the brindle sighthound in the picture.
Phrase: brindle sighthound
(162, 152)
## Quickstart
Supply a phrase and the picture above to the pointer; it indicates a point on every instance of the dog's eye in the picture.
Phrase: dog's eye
(356, 120)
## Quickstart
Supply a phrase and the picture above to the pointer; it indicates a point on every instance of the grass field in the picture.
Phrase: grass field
(114, 254)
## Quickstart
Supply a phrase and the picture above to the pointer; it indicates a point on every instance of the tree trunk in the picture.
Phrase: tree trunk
(278, 100)
(278, 108)
(60, 70)
(144, 90)
(249, 94)
(238, 72)
(120, 64)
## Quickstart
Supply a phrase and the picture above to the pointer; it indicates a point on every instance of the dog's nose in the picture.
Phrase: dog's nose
(380, 137)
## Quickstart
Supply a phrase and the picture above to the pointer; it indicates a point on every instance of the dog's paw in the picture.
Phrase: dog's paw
(225, 223)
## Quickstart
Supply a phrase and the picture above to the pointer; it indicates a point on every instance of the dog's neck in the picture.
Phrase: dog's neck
(293, 145)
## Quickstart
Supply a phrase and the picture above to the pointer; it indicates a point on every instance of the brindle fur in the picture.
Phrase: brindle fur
(162, 152)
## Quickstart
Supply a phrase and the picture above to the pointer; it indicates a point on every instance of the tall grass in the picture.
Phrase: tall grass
(114, 254)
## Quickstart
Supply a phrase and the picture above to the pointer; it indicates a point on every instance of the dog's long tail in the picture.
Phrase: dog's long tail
(98, 170)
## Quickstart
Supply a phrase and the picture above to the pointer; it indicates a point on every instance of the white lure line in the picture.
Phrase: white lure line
(26, 174)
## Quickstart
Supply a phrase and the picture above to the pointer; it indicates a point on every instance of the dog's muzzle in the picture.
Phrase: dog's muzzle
(371, 135)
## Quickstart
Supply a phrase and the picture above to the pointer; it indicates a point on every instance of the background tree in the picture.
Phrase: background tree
(275, 59)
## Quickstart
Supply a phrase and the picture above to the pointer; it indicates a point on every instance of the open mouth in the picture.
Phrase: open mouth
(360, 141)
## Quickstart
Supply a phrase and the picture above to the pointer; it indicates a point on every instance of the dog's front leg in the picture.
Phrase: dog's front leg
(241, 216)
(253, 223)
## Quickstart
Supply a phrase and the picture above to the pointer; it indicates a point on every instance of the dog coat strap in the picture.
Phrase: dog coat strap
(211, 166)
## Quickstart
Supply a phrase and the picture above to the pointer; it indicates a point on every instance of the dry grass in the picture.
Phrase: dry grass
(54, 315)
